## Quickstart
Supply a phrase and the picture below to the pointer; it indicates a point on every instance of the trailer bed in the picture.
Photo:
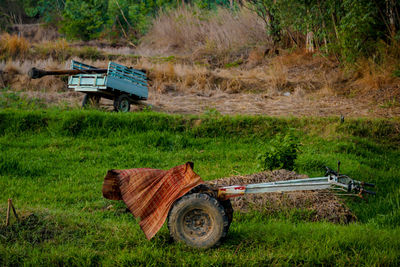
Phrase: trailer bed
(118, 80)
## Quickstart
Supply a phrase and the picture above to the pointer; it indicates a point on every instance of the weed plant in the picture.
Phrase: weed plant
(281, 153)
(10, 99)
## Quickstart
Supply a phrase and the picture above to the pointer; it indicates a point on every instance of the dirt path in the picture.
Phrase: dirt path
(257, 104)
(240, 103)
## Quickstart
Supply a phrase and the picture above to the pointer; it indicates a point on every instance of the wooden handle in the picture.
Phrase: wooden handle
(35, 73)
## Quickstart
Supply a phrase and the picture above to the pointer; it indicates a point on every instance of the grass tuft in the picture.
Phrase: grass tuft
(13, 46)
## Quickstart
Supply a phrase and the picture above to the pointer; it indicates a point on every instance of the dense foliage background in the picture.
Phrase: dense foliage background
(345, 28)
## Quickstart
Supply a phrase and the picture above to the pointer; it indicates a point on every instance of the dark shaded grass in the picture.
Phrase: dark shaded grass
(95, 123)
(113, 238)
(52, 163)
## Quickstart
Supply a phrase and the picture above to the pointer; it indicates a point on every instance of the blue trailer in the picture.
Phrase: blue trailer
(119, 83)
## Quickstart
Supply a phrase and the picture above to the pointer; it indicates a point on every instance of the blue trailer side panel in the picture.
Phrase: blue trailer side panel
(127, 87)
(127, 80)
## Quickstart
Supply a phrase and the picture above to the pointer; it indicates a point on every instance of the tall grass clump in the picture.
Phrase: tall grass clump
(379, 71)
(190, 30)
(13, 46)
(59, 49)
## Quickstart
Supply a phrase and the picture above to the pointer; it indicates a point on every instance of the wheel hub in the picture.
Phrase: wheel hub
(197, 223)
(124, 105)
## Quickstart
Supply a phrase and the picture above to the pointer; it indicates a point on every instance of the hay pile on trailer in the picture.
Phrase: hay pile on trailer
(321, 205)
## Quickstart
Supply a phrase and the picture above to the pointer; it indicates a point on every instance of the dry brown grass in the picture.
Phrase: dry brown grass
(166, 77)
(278, 75)
(256, 56)
(15, 75)
(193, 89)
(36, 32)
(375, 79)
(176, 77)
(332, 82)
(295, 58)
(11, 69)
(273, 78)
(187, 30)
(59, 49)
(372, 75)
(13, 45)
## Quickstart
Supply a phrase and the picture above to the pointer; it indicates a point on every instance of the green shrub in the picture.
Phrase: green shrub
(84, 19)
(396, 72)
(359, 29)
(281, 153)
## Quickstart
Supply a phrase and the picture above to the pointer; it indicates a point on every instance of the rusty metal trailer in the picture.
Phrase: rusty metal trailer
(202, 217)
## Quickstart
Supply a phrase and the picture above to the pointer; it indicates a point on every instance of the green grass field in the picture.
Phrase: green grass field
(53, 162)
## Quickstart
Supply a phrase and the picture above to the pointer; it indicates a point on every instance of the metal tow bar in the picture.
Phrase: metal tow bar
(331, 180)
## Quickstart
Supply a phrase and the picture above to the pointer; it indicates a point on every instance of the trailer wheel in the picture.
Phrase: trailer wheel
(213, 192)
(122, 103)
(199, 220)
(90, 100)
(228, 210)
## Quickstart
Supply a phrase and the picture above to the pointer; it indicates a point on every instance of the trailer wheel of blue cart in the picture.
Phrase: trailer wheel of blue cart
(122, 103)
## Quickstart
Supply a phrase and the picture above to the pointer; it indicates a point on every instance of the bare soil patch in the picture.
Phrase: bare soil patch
(234, 104)
(262, 104)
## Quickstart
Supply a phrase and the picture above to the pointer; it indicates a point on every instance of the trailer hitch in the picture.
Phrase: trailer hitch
(352, 185)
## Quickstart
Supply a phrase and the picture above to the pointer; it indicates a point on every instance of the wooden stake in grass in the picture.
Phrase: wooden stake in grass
(8, 212)
(10, 205)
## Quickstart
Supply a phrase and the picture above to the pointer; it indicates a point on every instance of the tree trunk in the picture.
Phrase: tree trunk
(334, 26)
(309, 39)
(323, 26)
(310, 42)
(390, 10)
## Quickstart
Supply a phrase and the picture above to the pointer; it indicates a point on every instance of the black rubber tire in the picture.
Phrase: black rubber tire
(199, 220)
(122, 103)
(228, 210)
(90, 100)
(213, 192)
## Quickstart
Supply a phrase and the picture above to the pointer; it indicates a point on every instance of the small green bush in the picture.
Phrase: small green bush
(281, 153)
(84, 19)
